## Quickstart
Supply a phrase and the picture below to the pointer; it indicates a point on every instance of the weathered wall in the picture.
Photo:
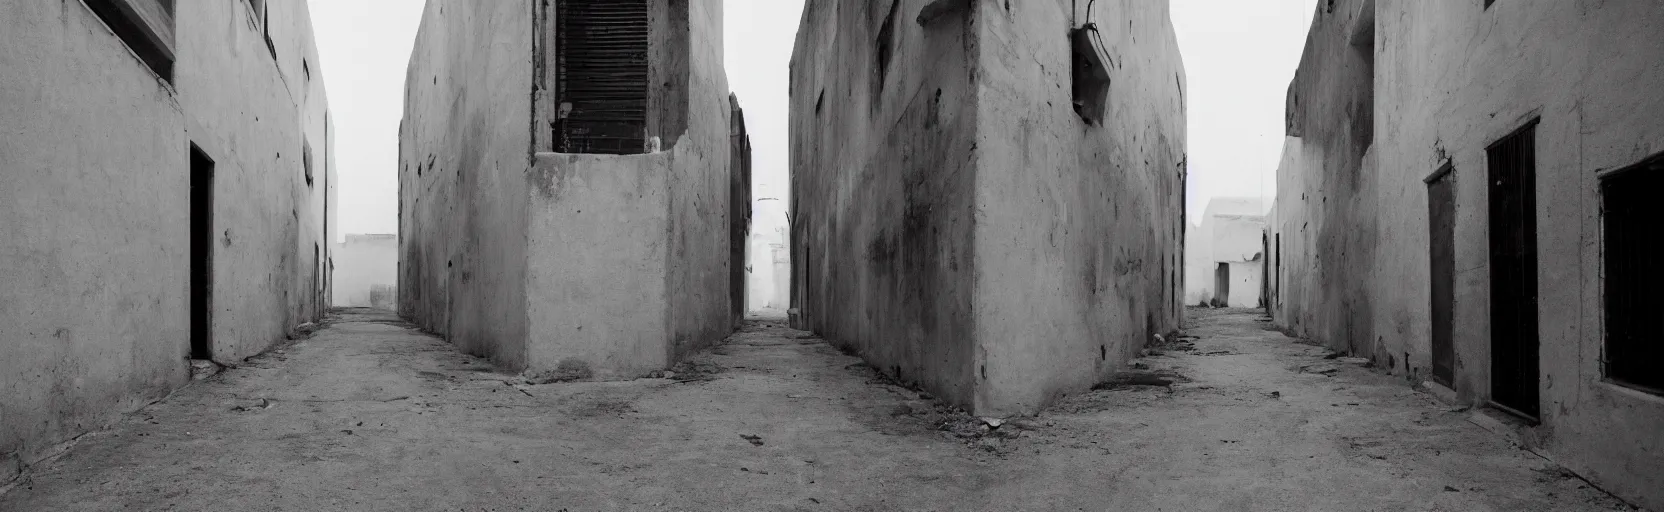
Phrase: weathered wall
(465, 150)
(94, 207)
(1455, 78)
(534, 258)
(597, 279)
(698, 285)
(1326, 210)
(254, 111)
(739, 207)
(1451, 79)
(883, 164)
(954, 179)
(365, 265)
(1078, 226)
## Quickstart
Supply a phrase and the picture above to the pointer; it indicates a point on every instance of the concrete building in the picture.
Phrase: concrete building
(1461, 199)
(987, 197)
(1225, 255)
(165, 195)
(366, 272)
(587, 224)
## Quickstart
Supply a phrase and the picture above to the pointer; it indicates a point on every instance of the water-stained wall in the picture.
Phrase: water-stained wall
(882, 167)
(955, 222)
(1079, 226)
(537, 259)
(95, 206)
(464, 150)
(1449, 80)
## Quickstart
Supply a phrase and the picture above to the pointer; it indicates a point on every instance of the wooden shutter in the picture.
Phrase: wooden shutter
(602, 76)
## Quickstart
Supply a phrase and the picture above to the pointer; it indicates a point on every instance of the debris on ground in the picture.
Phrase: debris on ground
(1320, 369)
(259, 405)
(203, 368)
(693, 371)
(568, 370)
(1132, 378)
(304, 331)
(753, 439)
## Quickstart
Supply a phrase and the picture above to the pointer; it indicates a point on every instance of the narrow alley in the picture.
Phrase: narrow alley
(370, 414)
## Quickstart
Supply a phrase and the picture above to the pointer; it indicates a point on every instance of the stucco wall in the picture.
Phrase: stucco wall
(534, 258)
(697, 261)
(961, 179)
(1327, 214)
(465, 150)
(95, 207)
(597, 279)
(1078, 227)
(1451, 79)
(364, 264)
(882, 197)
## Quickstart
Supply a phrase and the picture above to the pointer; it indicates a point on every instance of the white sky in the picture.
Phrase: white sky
(1239, 56)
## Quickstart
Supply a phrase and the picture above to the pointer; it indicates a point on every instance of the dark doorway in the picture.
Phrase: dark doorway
(202, 254)
(1441, 226)
(1222, 285)
(1513, 239)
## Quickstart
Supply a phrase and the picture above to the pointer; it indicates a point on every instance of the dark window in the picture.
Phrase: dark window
(1089, 71)
(602, 67)
(306, 161)
(1634, 332)
(146, 26)
(885, 51)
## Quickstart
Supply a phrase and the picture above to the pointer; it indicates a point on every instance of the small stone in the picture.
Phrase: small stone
(1451, 489)
(993, 422)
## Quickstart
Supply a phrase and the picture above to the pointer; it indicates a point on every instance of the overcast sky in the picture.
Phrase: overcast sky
(1239, 56)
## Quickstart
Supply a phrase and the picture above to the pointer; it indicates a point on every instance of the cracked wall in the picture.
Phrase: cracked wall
(619, 263)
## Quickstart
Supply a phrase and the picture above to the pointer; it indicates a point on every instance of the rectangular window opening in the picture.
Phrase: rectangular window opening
(146, 26)
(601, 76)
(1632, 276)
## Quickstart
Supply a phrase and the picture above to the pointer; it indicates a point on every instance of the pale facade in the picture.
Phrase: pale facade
(1461, 199)
(1225, 255)
(589, 223)
(971, 210)
(166, 191)
(366, 270)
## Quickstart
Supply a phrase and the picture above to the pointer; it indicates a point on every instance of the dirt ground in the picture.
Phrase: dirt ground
(369, 414)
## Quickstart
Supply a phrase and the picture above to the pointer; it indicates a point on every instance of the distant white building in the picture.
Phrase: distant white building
(366, 268)
(1225, 256)
(768, 262)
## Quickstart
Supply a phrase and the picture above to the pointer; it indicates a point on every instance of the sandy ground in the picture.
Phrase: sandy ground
(369, 414)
